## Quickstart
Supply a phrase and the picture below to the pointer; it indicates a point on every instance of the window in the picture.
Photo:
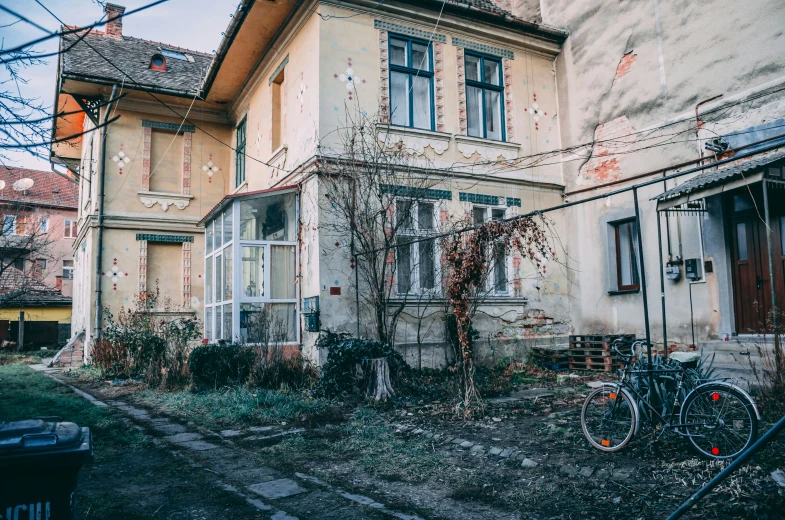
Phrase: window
(497, 273)
(277, 109)
(17, 263)
(39, 268)
(411, 83)
(626, 245)
(239, 162)
(415, 262)
(158, 63)
(174, 54)
(44, 225)
(68, 269)
(69, 229)
(484, 96)
(9, 225)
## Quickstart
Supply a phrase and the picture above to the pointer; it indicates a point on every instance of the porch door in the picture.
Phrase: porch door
(752, 292)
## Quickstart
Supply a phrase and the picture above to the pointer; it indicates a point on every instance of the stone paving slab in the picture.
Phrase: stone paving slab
(184, 437)
(197, 445)
(280, 488)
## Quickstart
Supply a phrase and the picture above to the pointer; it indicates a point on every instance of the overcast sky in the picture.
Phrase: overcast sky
(194, 24)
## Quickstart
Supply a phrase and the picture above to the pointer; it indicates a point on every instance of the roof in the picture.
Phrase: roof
(224, 201)
(17, 287)
(49, 188)
(132, 55)
(720, 176)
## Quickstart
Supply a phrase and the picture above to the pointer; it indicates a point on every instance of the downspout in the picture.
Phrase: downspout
(99, 268)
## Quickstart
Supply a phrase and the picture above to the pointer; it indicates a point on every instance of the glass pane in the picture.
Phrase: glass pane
(474, 111)
(208, 281)
(742, 202)
(228, 279)
(282, 263)
(420, 57)
(218, 321)
(403, 265)
(782, 235)
(421, 97)
(425, 215)
(403, 214)
(491, 72)
(398, 52)
(209, 232)
(218, 228)
(497, 214)
(228, 335)
(478, 216)
(208, 323)
(499, 268)
(493, 115)
(427, 265)
(268, 218)
(228, 225)
(268, 323)
(741, 241)
(219, 288)
(472, 67)
(399, 99)
(284, 322)
(253, 271)
(628, 254)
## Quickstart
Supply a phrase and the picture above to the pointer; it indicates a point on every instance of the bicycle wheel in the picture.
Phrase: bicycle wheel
(608, 419)
(720, 421)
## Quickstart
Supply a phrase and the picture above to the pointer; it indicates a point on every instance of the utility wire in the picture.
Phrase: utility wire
(21, 146)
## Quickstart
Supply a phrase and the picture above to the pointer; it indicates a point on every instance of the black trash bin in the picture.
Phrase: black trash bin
(39, 464)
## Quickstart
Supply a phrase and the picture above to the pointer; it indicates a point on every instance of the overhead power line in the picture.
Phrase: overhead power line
(24, 146)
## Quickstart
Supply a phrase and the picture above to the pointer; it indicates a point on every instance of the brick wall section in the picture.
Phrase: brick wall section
(186, 275)
(625, 64)
(384, 79)
(187, 140)
(147, 140)
(612, 137)
(114, 29)
(438, 59)
(462, 92)
(142, 266)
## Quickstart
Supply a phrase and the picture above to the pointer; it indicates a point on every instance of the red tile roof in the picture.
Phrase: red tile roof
(48, 188)
(16, 288)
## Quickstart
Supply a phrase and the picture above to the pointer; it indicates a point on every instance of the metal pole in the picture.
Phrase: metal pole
(357, 292)
(662, 285)
(21, 335)
(722, 475)
(643, 288)
(772, 284)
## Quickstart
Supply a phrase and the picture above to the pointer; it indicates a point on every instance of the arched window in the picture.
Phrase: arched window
(158, 63)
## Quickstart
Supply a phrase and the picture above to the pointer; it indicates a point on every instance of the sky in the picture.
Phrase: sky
(193, 24)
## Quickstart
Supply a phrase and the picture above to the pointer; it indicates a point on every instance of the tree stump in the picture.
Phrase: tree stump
(379, 386)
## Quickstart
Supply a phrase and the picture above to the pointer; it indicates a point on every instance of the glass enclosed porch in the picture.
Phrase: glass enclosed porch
(251, 257)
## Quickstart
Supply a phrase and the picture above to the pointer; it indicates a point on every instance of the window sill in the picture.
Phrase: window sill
(414, 139)
(277, 159)
(165, 199)
(489, 149)
(242, 187)
(623, 291)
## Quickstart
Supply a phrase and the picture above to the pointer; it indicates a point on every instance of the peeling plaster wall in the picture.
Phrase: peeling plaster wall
(628, 68)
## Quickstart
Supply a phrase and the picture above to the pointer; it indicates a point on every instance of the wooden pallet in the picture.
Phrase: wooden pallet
(547, 354)
(593, 352)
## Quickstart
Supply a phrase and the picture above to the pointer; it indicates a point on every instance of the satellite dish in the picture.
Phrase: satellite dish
(23, 184)
(2, 185)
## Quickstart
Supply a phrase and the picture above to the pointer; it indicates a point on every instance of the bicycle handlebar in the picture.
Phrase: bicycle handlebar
(632, 345)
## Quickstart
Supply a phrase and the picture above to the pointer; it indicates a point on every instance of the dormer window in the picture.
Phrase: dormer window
(158, 63)
(176, 55)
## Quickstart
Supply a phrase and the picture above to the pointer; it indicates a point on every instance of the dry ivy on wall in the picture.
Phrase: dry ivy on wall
(468, 257)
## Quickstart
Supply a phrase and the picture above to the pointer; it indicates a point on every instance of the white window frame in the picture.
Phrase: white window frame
(69, 270)
(414, 259)
(67, 226)
(490, 279)
(44, 225)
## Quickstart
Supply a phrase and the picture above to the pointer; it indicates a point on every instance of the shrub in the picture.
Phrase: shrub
(346, 369)
(216, 366)
(279, 373)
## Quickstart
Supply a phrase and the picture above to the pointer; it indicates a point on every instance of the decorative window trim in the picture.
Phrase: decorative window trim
(513, 202)
(278, 69)
(414, 139)
(161, 125)
(142, 265)
(409, 31)
(509, 108)
(187, 273)
(482, 48)
(416, 193)
(151, 198)
(384, 77)
(479, 198)
(172, 239)
(489, 150)
(461, 69)
(438, 85)
(186, 180)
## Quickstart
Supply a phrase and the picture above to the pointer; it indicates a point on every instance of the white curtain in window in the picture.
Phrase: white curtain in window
(399, 99)
(421, 96)
(493, 117)
(474, 111)
(282, 276)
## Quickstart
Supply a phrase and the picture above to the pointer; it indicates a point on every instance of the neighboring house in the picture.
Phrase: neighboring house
(46, 312)
(142, 233)
(38, 212)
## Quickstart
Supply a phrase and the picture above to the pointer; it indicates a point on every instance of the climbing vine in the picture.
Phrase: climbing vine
(468, 257)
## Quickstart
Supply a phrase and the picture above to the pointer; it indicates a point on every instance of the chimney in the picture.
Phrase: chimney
(114, 28)
(59, 283)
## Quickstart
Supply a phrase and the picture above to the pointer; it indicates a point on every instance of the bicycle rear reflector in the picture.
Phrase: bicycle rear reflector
(715, 451)
(715, 396)
(613, 395)
(606, 443)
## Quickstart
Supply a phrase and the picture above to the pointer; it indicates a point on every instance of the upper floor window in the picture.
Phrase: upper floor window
(277, 112)
(625, 234)
(68, 269)
(44, 225)
(239, 176)
(69, 229)
(416, 270)
(411, 83)
(9, 225)
(484, 96)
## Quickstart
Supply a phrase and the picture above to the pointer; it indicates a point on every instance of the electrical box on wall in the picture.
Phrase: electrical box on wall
(673, 273)
(692, 269)
(311, 314)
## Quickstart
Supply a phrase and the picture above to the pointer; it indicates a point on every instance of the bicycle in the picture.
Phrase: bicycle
(719, 418)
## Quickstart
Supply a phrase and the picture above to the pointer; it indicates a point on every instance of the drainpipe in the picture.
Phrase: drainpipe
(99, 268)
